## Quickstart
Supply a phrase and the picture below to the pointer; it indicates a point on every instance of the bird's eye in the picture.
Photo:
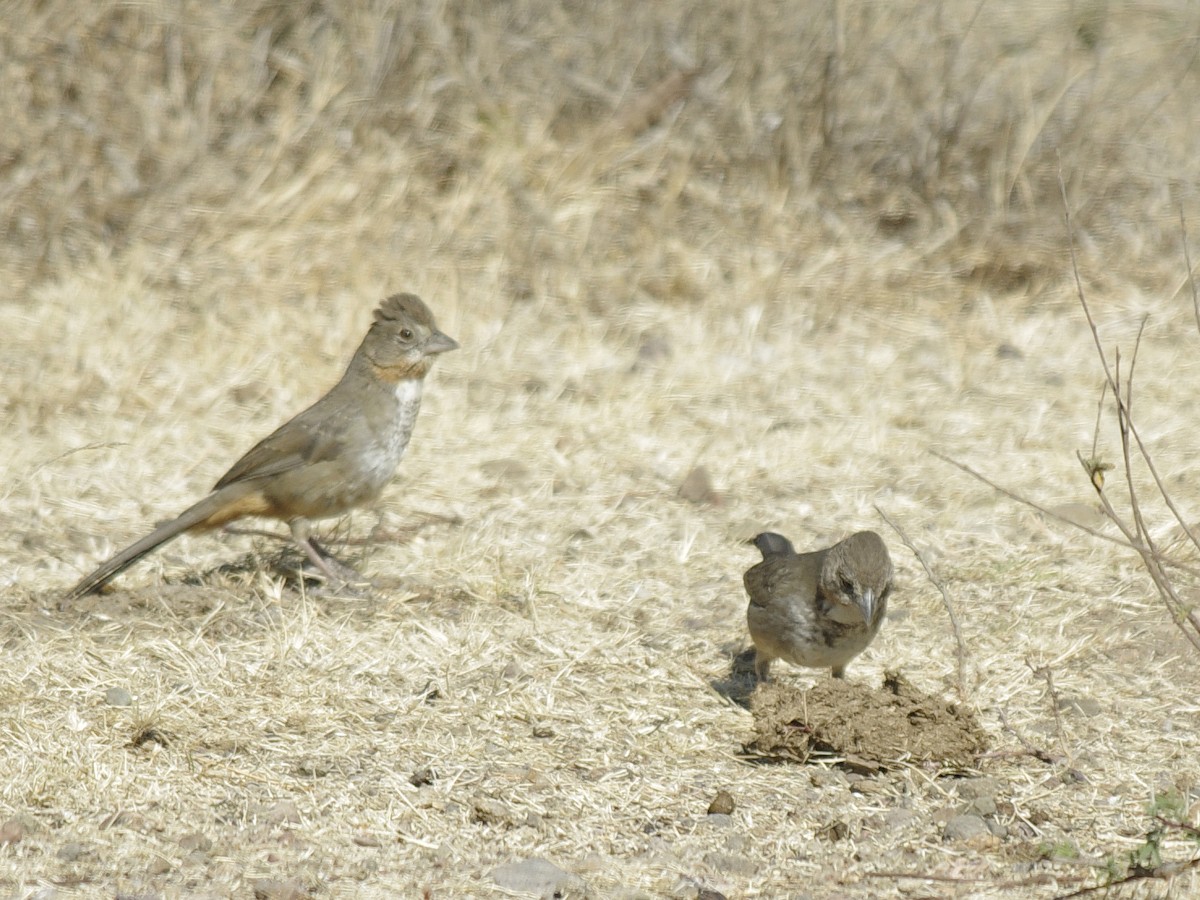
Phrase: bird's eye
(847, 586)
(406, 334)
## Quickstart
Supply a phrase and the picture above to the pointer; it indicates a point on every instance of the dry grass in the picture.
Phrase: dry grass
(801, 248)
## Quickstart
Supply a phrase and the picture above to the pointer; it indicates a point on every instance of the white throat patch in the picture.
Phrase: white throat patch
(408, 390)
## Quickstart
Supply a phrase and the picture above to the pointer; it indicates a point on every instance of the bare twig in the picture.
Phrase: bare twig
(1164, 872)
(22, 479)
(1098, 467)
(1187, 258)
(1041, 878)
(1138, 535)
(1036, 752)
(1190, 830)
(1046, 673)
(1046, 511)
(960, 644)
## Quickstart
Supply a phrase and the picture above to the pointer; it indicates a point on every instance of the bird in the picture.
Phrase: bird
(334, 456)
(820, 608)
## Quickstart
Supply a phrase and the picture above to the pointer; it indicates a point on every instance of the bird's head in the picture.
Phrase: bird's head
(404, 339)
(856, 578)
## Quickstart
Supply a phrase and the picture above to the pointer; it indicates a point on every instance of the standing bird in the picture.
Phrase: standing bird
(336, 455)
(816, 609)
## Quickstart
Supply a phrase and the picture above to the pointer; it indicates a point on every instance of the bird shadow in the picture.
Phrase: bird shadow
(741, 681)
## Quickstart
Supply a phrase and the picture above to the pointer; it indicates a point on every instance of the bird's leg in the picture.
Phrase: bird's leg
(322, 559)
(762, 666)
(321, 551)
(301, 534)
(839, 671)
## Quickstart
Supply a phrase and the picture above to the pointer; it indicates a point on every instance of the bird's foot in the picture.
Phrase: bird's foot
(338, 577)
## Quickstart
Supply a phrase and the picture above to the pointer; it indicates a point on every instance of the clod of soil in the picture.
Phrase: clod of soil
(870, 728)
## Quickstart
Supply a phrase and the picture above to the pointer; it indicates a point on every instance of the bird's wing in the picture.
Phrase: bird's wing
(783, 575)
(314, 435)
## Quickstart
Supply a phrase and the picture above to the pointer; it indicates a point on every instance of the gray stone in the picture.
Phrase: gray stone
(898, 819)
(488, 811)
(160, 865)
(731, 864)
(270, 889)
(970, 788)
(980, 806)
(194, 840)
(1086, 706)
(538, 876)
(965, 828)
(71, 851)
(285, 812)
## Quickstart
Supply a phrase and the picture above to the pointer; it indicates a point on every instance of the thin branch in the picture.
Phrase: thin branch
(1096, 430)
(1187, 257)
(1190, 830)
(1062, 187)
(22, 479)
(1125, 420)
(1165, 872)
(1041, 878)
(1139, 536)
(960, 644)
(1036, 752)
(1124, 412)
(1094, 532)
(1047, 674)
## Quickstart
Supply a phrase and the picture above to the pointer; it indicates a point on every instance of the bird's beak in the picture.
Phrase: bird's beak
(866, 603)
(439, 343)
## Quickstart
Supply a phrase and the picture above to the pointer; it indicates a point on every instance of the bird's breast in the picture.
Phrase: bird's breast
(392, 430)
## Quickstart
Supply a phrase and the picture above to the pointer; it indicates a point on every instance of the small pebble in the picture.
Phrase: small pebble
(965, 828)
(698, 488)
(71, 851)
(118, 696)
(1086, 706)
(12, 832)
(160, 865)
(897, 819)
(536, 876)
(194, 840)
(731, 864)
(285, 812)
(270, 889)
(722, 804)
(489, 812)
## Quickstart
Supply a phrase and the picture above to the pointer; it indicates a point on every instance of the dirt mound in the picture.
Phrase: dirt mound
(870, 728)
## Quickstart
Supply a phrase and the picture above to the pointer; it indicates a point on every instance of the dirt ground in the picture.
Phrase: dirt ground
(712, 273)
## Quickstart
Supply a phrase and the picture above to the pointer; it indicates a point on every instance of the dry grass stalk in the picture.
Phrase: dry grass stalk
(1135, 530)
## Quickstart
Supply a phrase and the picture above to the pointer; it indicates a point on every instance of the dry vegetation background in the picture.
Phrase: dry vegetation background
(798, 244)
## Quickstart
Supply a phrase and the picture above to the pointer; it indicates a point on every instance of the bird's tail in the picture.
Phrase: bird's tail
(195, 515)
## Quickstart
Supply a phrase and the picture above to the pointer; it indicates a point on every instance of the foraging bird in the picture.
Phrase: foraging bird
(336, 455)
(816, 609)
